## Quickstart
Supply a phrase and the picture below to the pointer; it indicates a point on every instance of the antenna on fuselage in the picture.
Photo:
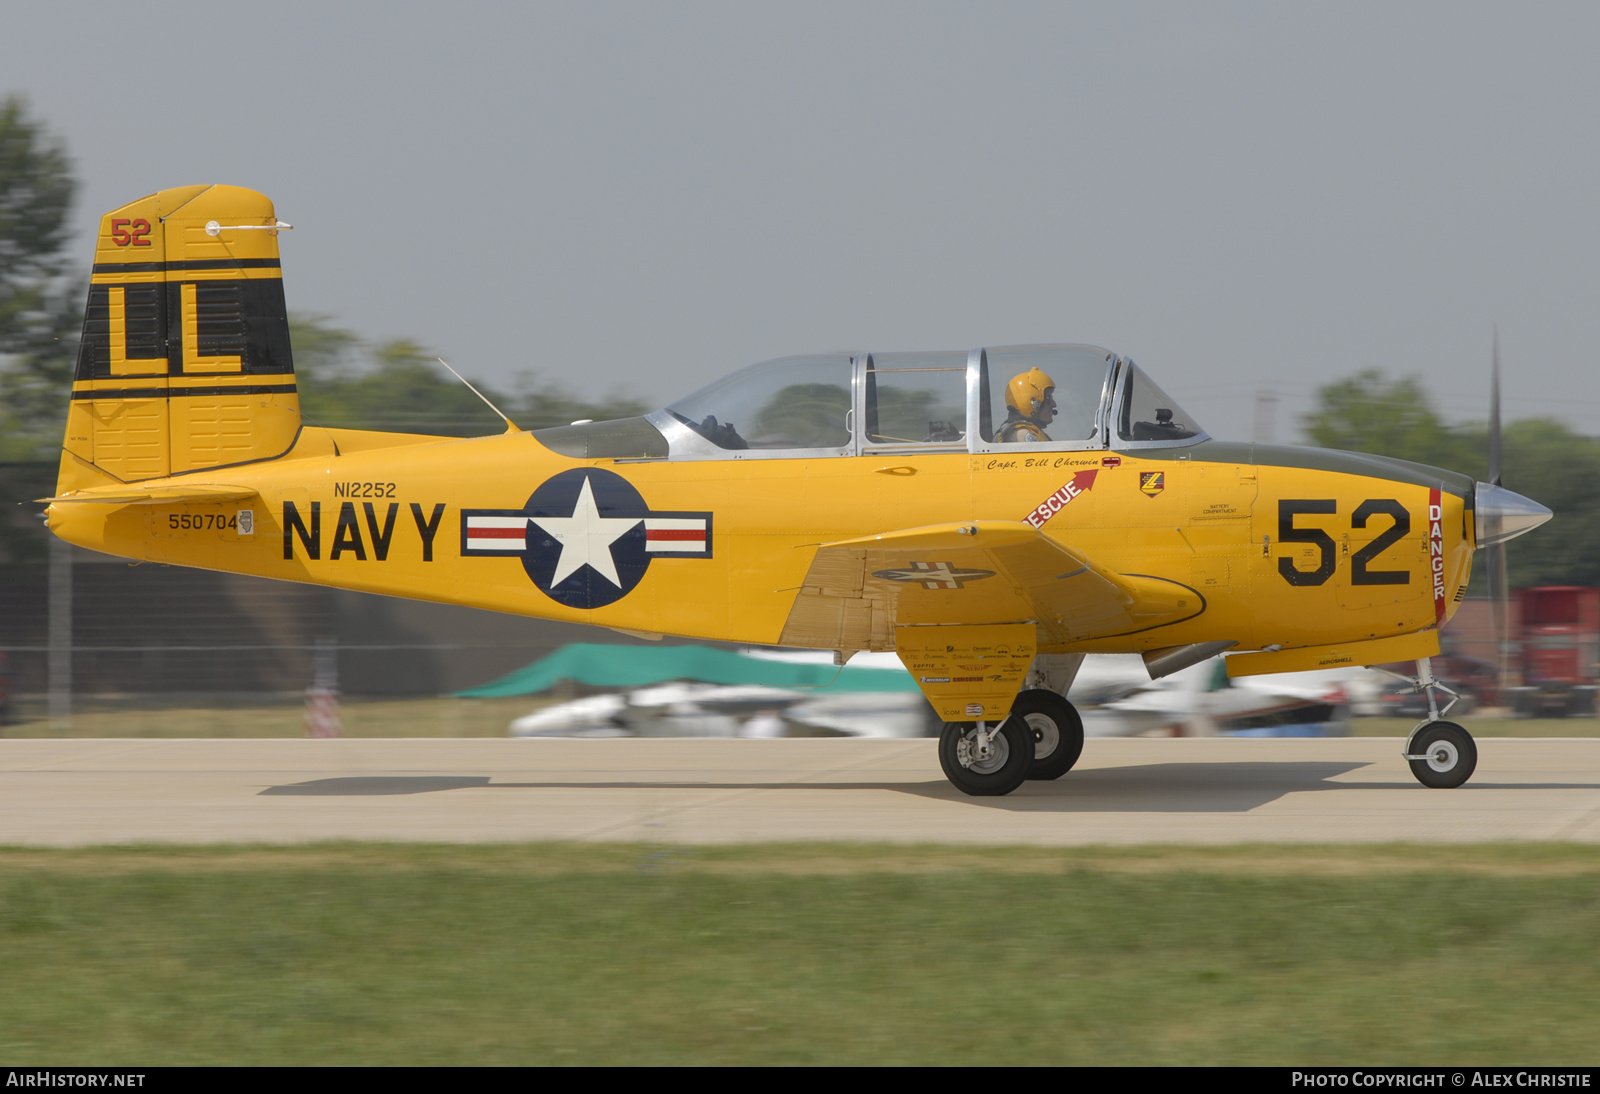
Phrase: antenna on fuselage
(511, 427)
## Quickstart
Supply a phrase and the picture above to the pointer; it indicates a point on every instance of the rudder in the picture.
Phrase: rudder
(185, 362)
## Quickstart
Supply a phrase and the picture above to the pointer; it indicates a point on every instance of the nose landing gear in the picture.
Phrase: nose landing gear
(1442, 754)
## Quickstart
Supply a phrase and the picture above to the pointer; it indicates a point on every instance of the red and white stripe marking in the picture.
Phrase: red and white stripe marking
(675, 535)
(1436, 553)
(497, 533)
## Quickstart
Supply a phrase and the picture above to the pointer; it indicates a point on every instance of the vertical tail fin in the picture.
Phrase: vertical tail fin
(185, 362)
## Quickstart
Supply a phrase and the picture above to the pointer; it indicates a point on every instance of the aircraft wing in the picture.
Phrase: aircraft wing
(136, 494)
(975, 572)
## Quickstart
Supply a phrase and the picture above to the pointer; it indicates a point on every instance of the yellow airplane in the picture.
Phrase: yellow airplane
(991, 515)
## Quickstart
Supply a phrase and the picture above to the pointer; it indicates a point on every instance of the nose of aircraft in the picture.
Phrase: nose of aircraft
(1503, 515)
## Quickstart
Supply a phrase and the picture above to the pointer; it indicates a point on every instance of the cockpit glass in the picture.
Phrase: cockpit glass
(1034, 394)
(792, 402)
(1149, 414)
(916, 398)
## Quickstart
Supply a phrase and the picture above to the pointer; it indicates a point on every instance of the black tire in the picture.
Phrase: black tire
(1002, 772)
(1057, 732)
(1451, 755)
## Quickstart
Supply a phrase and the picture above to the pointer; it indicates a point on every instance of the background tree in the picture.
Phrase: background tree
(1369, 412)
(41, 305)
(399, 386)
(1543, 459)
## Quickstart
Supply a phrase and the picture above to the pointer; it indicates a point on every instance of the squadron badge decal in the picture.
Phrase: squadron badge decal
(585, 537)
(1152, 482)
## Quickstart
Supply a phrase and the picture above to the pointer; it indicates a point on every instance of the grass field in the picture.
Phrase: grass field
(388, 954)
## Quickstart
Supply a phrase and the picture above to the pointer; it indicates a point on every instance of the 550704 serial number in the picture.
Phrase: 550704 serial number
(201, 521)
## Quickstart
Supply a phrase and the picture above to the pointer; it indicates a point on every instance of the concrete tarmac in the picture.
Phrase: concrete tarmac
(688, 791)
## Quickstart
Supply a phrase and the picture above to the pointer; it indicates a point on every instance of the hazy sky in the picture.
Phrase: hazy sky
(641, 197)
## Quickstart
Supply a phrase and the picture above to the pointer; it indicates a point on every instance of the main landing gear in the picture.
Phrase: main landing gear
(1041, 739)
(1442, 754)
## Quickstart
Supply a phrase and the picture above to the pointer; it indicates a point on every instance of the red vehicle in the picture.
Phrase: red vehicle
(1560, 644)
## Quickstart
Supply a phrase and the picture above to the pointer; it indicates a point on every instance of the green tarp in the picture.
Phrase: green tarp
(603, 665)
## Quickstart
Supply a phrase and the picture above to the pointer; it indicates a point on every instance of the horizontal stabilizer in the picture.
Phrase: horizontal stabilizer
(151, 495)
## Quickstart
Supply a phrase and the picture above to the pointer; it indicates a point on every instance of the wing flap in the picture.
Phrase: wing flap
(976, 572)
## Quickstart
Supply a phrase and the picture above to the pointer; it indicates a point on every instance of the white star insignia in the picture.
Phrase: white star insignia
(586, 538)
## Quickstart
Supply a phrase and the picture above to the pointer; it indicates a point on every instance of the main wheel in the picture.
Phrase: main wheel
(1448, 755)
(986, 770)
(1057, 732)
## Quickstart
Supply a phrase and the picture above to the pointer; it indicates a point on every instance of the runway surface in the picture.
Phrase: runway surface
(77, 792)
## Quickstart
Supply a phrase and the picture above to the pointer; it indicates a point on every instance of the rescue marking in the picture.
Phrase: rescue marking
(1078, 484)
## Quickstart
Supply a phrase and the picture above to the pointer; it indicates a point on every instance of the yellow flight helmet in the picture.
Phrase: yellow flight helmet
(1028, 391)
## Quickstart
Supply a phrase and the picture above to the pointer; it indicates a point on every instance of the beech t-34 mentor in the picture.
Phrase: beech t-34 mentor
(991, 515)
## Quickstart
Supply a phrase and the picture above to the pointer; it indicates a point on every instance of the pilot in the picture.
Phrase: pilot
(1030, 406)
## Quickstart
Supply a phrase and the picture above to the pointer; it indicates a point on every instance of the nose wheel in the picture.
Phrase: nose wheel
(1442, 754)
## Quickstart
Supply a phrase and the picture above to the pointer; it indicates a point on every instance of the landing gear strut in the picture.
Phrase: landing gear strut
(1442, 754)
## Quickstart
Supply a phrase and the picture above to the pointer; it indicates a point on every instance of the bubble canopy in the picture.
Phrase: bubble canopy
(787, 403)
(1051, 397)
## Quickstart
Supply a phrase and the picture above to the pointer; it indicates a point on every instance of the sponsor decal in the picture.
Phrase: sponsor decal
(1152, 482)
(585, 537)
(1436, 552)
(1049, 507)
(974, 710)
(934, 575)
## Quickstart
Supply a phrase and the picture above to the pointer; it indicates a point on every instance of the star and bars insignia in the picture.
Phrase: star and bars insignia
(585, 537)
(934, 575)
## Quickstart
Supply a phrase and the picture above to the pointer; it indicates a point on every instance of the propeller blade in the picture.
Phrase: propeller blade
(1500, 602)
(1499, 591)
(1494, 413)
